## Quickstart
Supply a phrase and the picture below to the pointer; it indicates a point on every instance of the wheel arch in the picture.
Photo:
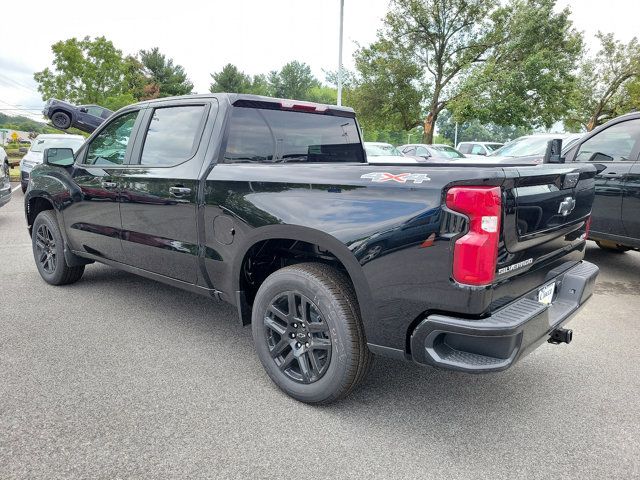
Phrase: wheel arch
(310, 236)
(71, 114)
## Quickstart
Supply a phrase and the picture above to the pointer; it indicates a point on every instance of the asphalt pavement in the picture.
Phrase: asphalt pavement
(122, 377)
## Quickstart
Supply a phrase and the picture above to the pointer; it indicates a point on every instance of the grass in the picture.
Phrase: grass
(14, 174)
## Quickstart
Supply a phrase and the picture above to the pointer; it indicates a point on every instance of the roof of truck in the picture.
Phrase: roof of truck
(234, 97)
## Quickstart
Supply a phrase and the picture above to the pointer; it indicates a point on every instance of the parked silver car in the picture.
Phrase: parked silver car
(5, 186)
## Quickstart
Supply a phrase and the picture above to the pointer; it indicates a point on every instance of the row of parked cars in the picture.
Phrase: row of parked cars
(614, 148)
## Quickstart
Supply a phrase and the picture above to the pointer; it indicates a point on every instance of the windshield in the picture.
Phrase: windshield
(493, 146)
(448, 152)
(40, 144)
(382, 150)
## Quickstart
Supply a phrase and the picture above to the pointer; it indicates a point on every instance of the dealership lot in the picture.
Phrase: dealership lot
(118, 376)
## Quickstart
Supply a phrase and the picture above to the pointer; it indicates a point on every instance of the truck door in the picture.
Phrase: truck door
(92, 220)
(160, 189)
(631, 203)
(618, 147)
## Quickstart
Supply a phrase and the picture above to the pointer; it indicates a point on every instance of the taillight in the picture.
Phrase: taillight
(476, 253)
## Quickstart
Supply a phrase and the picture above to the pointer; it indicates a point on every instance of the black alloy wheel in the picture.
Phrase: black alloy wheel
(46, 249)
(308, 332)
(61, 120)
(298, 337)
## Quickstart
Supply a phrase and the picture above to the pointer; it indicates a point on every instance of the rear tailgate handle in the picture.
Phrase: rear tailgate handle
(179, 191)
(109, 185)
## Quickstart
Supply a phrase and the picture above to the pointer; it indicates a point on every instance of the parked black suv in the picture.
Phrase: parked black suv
(614, 149)
(270, 205)
(65, 115)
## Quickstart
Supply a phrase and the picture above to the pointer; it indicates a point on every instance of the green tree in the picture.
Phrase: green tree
(509, 63)
(608, 83)
(168, 79)
(84, 71)
(230, 80)
(476, 131)
(294, 80)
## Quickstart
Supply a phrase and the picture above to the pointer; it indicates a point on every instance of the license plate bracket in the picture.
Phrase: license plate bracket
(545, 294)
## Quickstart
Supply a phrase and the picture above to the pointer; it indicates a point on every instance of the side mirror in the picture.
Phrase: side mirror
(60, 157)
(23, 150)
(554, 151)
(600, 157)
(84, 109)
(484, 154)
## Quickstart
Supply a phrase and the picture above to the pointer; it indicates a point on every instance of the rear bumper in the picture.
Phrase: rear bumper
(496, 342)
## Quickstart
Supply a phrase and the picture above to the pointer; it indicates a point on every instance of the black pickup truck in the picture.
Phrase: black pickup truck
(270, 205)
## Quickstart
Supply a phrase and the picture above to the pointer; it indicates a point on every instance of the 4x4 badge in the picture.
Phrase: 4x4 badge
(380, 177)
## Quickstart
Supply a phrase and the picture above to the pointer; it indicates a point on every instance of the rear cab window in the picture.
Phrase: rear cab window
(267, 135)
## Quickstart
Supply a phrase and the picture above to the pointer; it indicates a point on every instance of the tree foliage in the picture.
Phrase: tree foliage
(608, 83)
(166, 78)
(477, 131)
(84, 71)
(94, 71)
(479, 58)
(294, 80)
(231, 80)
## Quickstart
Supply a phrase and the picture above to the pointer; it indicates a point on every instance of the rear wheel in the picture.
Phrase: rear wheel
(61, 120)
(308, 333)
(48, 251)
(611, 246)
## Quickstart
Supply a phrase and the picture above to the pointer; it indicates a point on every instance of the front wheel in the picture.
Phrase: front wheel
(308, 333)
(61, 120)
(48, 251)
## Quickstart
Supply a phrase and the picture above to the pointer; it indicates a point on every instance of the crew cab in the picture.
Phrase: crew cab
(269, 205)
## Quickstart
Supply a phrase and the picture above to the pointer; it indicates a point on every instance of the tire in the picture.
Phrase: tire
(331, 321)
(48, 251)
(61, 120)
(612, 246)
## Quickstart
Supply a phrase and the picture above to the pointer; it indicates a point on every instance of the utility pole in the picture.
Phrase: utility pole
(340, 54)
(455, 137)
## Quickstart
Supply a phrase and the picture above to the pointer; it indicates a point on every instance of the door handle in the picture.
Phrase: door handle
(109, 185)
(179, 191)
(611, 173)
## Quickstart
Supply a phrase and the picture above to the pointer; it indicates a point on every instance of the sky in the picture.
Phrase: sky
(256, 35)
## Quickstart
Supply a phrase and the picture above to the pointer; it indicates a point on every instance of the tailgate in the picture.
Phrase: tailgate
(546, 208)
(545, 202)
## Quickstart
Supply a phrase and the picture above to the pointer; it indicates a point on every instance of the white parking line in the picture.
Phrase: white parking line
(15, 188)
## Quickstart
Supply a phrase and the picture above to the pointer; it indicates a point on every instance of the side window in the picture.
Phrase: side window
(477, 150)
(173, 135)
(94, 110)
(409, 151)
(616, 142)
(422, 152)
(109, 147)
(464, 148)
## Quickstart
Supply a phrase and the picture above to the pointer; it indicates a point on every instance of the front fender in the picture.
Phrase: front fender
(53, 185)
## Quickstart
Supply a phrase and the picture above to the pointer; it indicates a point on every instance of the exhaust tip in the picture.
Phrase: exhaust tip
(561, 335)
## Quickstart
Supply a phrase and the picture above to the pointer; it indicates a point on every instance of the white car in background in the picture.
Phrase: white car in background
(478, 148)
(34, 155)
(378, 152)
